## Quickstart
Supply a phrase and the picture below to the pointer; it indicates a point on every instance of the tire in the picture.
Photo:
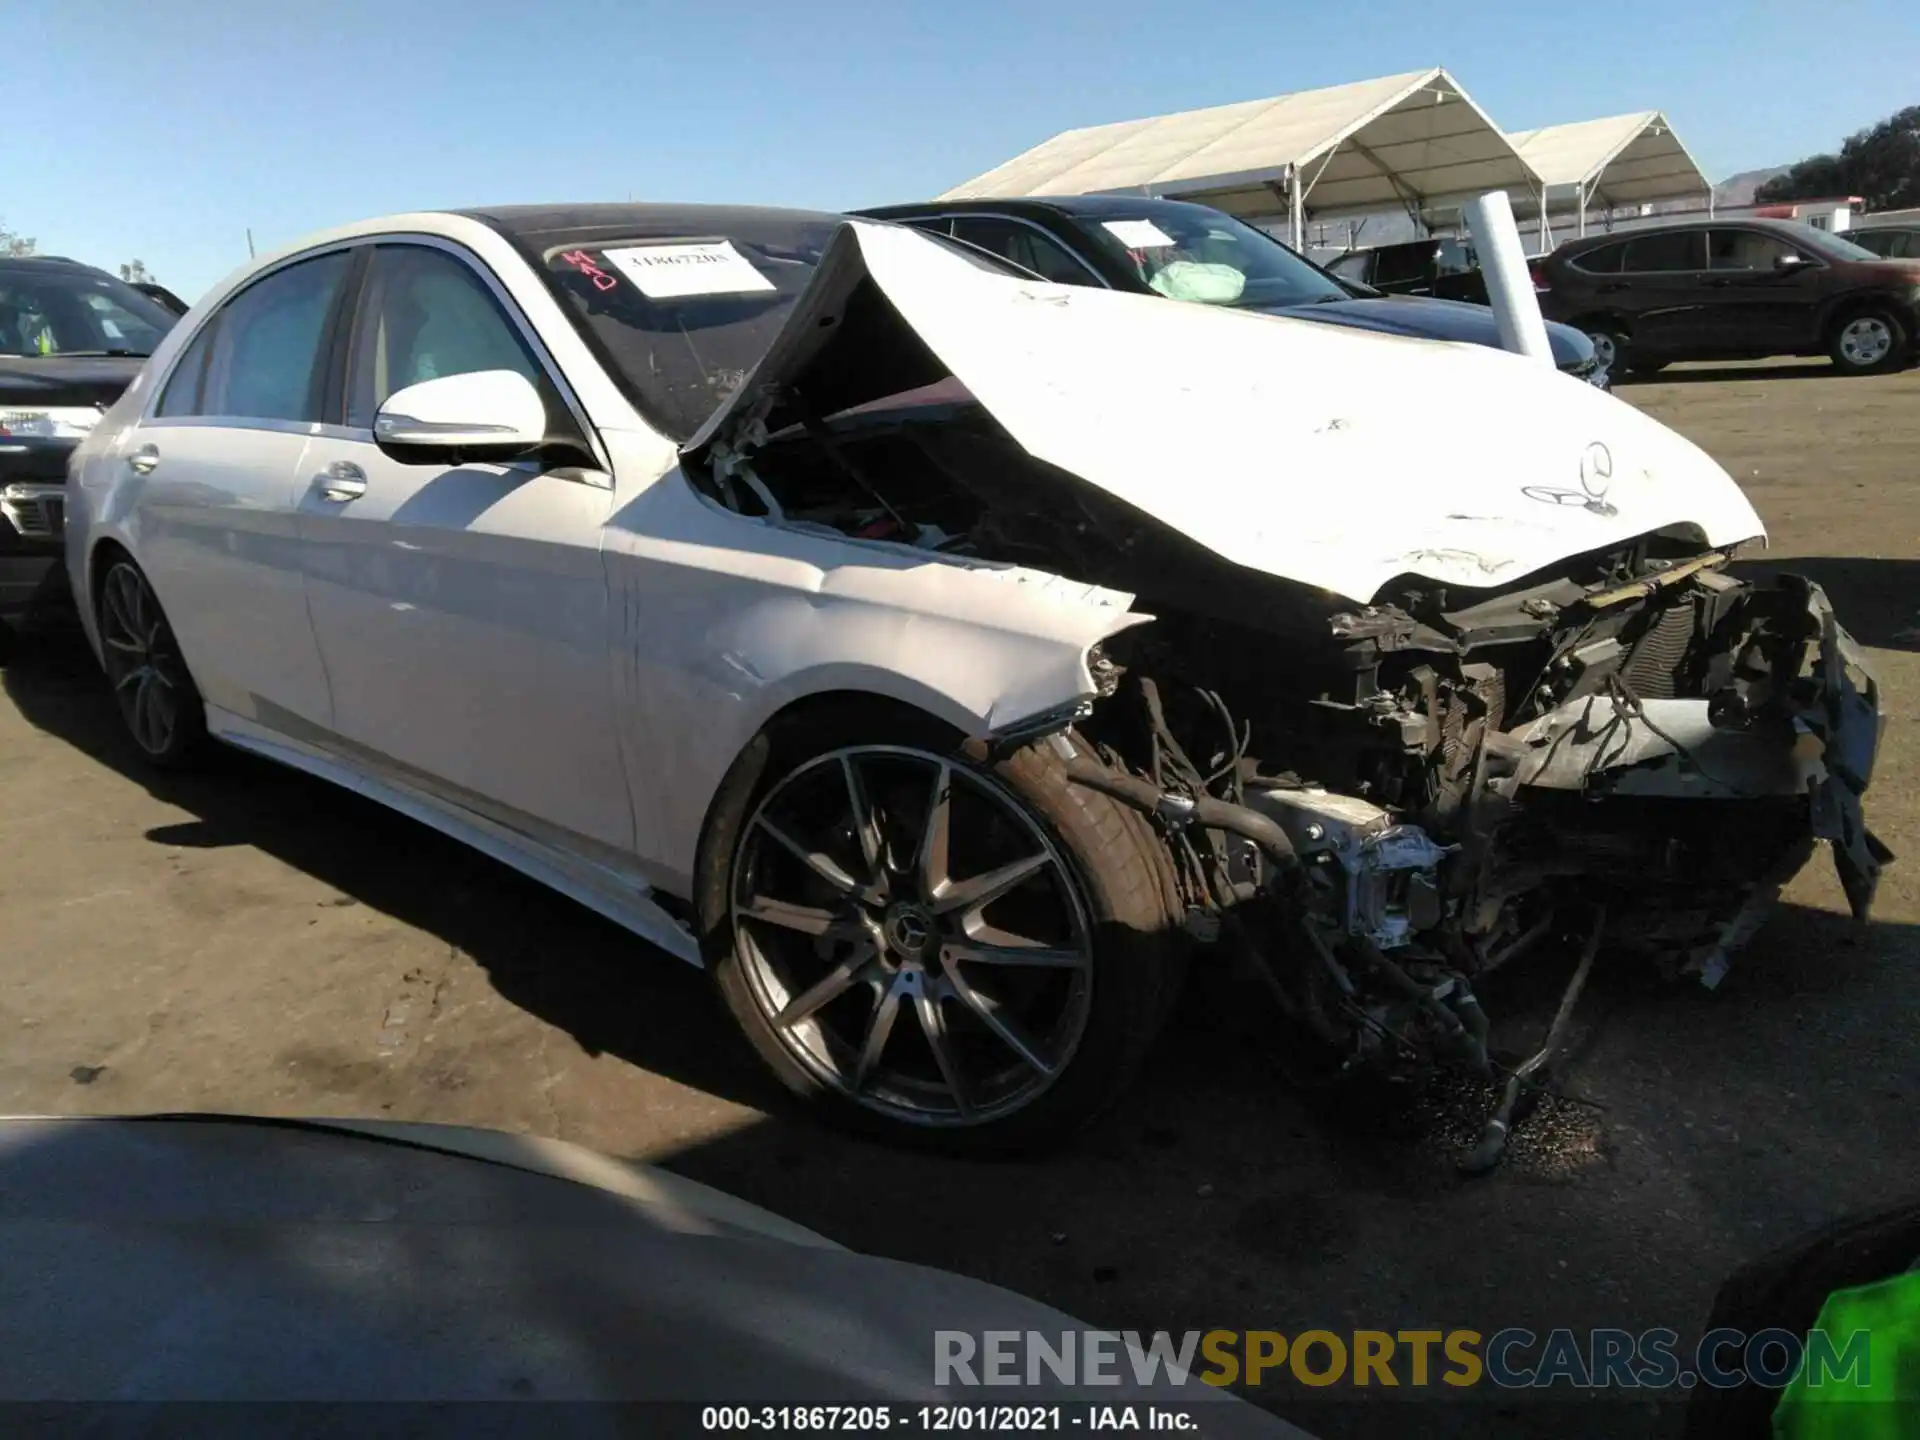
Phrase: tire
(158, 702)
(1610, 347)
(1869, 342)
(1112, 945)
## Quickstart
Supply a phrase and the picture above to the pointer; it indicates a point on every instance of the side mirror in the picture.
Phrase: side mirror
(488, 415)
(1789, 261)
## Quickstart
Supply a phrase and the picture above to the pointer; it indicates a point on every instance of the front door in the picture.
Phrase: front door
(462, 610)
(1764, 294)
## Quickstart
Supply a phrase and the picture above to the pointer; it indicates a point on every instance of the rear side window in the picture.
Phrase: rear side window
(266, 345)
(1024, 246)
(1656, 254)
(1351, 267)
(425, 315)
(1603, 260)
(182, 395)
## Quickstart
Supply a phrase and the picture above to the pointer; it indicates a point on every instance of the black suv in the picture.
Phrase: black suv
(1446, 268)
(71, 339)
(1733, 290)
(1192, 252)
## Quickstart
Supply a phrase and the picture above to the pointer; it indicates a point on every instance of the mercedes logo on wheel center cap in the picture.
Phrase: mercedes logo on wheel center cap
(909, 930)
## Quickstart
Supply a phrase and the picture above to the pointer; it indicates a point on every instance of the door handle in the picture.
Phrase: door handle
(341, 481)
(1611, 287)
(143, 460)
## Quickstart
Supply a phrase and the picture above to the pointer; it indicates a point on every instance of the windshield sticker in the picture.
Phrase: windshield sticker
(1139, 234)
(670, 272)
(589, 267)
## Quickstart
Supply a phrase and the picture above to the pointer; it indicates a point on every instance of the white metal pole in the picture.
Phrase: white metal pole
(1503, 261)
(1294, 202)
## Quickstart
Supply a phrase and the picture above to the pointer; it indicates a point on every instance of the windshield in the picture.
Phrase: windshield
(48, 311)
(680, 320)
(1192, 253)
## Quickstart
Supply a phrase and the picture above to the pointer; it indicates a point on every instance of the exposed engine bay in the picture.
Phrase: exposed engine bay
(1377, 804)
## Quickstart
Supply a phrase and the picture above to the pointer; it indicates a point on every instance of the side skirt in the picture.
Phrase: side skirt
(625, 902)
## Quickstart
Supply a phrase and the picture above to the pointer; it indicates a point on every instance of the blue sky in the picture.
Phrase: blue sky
(164, 130)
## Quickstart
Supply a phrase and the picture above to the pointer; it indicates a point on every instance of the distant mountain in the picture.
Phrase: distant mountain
(1738, 189)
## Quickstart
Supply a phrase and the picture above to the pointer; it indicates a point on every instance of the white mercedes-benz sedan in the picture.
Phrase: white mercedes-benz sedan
(944, 657)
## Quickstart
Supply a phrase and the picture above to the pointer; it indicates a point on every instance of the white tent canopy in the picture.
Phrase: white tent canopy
(1415, 140)
(1620, 160)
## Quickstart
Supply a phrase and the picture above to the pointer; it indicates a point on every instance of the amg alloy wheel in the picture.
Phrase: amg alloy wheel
(977, 956)
(155, 694)
(942, 972)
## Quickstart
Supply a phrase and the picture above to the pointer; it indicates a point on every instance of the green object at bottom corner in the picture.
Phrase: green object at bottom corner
(1877, 1398)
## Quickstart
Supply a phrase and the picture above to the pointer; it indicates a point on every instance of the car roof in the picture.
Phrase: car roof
(1093, 206)
(544, 225)
(57, 264)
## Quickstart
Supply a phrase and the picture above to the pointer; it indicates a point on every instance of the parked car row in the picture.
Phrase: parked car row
(945, 658)
(71, 339)
(1732, 289)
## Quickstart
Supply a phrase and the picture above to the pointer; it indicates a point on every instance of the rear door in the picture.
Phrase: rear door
(216, 457)
(1756, 307)
(1660, 293)
(462, 610)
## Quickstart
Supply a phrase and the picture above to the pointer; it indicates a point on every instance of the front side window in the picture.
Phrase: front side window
(1024, 246)
(267, 345)
(47, 311)
(425, 315)
(1745, 250)
(1660, 254)
(1189, 252)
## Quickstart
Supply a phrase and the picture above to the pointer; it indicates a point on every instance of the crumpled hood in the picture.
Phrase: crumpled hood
(1332, 457)
(1426, 318)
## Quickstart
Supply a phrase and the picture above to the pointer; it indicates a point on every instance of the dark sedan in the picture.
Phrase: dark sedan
(1191, 252)
(71, 339)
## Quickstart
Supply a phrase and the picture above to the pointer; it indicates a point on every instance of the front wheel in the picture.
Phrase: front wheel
(966, 955)
(1609, 350)
(158, 701)
(1868, 343)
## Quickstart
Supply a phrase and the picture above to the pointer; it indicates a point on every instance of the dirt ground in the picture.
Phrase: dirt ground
(252, 940)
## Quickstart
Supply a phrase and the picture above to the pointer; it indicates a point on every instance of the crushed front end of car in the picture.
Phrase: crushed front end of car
(1558, 720)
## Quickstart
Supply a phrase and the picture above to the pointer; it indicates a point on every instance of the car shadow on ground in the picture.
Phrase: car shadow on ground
(1877, 600)
(1690, 1131)
(614, 993)
(1700, 374)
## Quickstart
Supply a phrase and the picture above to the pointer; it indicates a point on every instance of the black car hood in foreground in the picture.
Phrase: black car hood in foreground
(200, 1258)
(38, 380)
(1428, 319)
